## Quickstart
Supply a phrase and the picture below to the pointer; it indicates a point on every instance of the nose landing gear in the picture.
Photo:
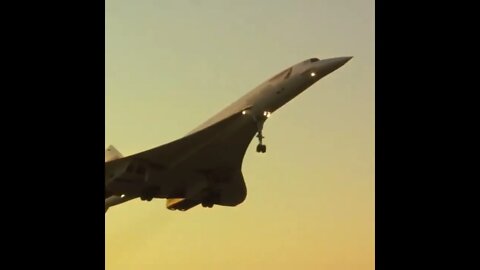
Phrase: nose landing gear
(259, 120)
(261, 148)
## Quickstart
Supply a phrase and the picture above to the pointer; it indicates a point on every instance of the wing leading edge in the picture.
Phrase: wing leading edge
(221, 144)
(219, 147)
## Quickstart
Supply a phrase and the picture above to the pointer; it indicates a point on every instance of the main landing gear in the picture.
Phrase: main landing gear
(207, 204)
(149, 193)
(209, 201)
(146, 197)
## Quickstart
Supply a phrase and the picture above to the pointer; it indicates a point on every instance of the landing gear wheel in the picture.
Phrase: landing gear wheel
(207, 204)
(147, 195)
(261, 148)
(146, 198)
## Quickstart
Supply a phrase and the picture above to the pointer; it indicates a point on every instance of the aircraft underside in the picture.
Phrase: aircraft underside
(204, 167)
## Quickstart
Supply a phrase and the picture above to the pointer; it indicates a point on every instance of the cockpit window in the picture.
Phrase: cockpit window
(288, 73)
(313, 60)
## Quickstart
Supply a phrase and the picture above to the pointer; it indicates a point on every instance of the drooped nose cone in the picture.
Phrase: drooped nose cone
(327, 66)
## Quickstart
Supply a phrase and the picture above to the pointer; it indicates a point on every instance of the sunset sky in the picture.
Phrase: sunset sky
(170, 65)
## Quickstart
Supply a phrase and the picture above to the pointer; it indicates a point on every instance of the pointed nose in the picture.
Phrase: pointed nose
(326, 66)
(342, 60)
(335, 63)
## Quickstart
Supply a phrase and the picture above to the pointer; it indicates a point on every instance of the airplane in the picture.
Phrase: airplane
(205, 166)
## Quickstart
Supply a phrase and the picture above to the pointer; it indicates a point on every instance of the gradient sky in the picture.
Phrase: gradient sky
(170, 65)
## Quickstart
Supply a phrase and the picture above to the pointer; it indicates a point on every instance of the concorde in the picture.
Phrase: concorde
(205, 166)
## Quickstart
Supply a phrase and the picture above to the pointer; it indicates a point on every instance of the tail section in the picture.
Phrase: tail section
(112, 153)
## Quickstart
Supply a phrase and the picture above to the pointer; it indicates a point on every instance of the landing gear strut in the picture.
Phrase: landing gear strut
(261, 148)
(149, 193)
(209, 201)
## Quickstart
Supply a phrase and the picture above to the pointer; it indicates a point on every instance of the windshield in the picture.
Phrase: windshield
(284, 74)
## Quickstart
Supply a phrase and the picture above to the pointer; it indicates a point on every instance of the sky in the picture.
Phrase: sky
(170, 65)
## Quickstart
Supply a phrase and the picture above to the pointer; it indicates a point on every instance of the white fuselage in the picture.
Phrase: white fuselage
(278, 90)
